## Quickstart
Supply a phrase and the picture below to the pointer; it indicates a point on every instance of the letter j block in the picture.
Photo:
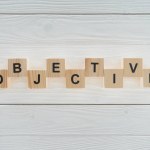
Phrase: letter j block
(17, 67)
(36, 79)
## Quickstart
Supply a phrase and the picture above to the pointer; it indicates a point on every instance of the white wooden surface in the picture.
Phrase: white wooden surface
(71, 29)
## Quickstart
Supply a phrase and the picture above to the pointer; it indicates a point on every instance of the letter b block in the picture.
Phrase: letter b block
(133, 67)
(17, 67)
(37, 79)
(75, 78)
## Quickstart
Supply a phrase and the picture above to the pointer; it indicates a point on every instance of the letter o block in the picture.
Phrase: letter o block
(75, 78)
(17, 67)
(3, 79)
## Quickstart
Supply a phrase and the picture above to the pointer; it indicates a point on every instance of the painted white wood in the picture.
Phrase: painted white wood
(74, 6)
(74, 120)
(74, 38)
(57, 30)
(74, 142)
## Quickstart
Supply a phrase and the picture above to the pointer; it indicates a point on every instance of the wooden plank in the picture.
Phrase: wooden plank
(74, 6)
(74, 38)
(74, 120)
(47, 30)
(74, 142)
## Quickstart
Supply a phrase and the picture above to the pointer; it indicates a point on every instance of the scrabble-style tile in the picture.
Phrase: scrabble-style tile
(36, 79)
(55, 67)
(146, 78)
(113, 78)
(3, 79)
(75, 78)
(133, 67)
(17, 67)
(94, 67)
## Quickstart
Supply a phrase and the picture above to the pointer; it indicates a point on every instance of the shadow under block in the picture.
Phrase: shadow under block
(17, 67)
(94, 67)
(146, 78)
(113, 78)
(133, 67)
(75, 78)
(36, 79)
(3, 79)
(55, 67)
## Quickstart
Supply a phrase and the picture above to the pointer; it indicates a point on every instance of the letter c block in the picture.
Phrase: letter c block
(75, 78)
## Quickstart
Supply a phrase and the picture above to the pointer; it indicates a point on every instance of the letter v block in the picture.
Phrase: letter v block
(113, 78)
(133, 67)
(3, 79)
(36, 79)
(17, 67)
(75, 78)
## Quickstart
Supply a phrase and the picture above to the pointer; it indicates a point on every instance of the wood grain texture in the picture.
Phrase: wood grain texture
(74, 142)
(57, 30)
(74, 120)
(74, 6)
(74, 38)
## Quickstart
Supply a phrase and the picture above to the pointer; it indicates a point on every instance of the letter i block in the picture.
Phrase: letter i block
(146, 77)
(36, 79)
(55, 67)
(75, 78)
(3, 79)
(133, 67)
(17, 67)
(113, 78)
(94, 67)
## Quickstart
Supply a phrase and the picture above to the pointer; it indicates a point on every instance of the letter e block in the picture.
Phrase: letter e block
(17, 67)
(94, 67)
(146, 77)
(75, 78)
(133, 67)
(36, 79)
(3, 79)
(55, 67)
(113, 78)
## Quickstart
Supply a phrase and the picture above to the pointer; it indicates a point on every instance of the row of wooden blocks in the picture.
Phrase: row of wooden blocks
(75, 78)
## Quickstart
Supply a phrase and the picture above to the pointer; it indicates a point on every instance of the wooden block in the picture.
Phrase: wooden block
(55, 67)
(146, 77)
(133, 67)
(94, 67)
(113, 78)
(17, 67)
(3, 79)
(75, 78)
(36, 79)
